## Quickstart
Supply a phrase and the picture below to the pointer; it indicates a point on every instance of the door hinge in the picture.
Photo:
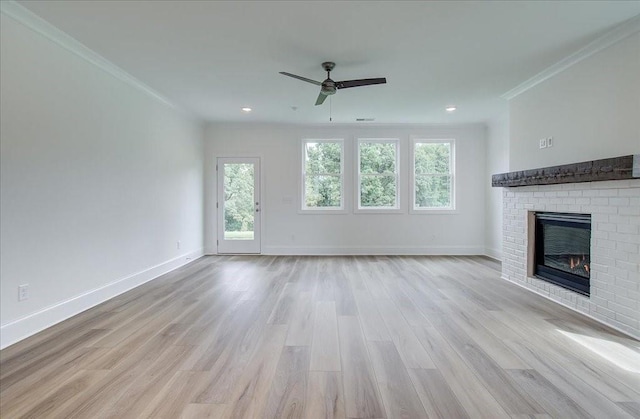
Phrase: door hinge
(217, 242)
(216, 167)
(216, 205)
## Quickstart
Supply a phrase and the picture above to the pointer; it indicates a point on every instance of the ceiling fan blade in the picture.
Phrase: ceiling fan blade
(317, 83)
(362, 82)
(321, 98)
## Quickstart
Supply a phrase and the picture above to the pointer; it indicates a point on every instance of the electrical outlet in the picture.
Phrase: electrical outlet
(178, 245)
(549, 141)
(23, 292)
(543, 143)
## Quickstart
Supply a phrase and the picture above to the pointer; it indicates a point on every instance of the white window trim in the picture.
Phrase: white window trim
(377, 210)
(412, 174)
(302, 208)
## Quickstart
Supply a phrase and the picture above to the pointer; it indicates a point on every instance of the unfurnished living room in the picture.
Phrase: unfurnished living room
(320, 209)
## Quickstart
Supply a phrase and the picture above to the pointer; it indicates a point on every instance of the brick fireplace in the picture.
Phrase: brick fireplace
(614, 208)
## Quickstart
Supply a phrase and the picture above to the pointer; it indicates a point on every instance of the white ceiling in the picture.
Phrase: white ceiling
(214, 57)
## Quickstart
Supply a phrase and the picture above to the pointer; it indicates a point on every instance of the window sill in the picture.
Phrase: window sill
(434, 211)
(322, 211)
(379, 211)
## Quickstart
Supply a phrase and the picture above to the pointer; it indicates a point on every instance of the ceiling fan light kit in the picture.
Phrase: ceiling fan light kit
(329, 87)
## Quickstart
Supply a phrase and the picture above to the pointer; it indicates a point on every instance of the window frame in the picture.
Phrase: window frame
(358, 208)
(302, 208)
(452, 209)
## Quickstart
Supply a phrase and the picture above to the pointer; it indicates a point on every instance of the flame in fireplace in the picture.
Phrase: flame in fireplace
(574, 262)
(579, 262)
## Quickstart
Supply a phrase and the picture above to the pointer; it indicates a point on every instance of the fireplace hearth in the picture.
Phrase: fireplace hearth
(563, 250)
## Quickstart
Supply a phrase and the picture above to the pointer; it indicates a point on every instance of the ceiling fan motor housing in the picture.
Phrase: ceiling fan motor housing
(328, 87)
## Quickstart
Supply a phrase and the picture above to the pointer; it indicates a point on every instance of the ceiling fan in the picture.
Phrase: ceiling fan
(328, 87)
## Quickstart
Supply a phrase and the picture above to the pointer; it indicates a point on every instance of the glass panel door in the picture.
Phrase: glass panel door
(238, 205)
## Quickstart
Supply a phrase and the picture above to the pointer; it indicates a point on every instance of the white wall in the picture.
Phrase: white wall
(286, 231)
(592, 110)
(98, 183)
(497, 157)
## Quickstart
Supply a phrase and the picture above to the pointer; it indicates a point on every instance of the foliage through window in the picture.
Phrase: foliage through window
(238, 198)
(378, 174)
(322, 173)
(433, 174)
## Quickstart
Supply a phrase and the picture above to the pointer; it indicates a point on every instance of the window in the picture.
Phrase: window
(433, 175)
(378, 174)
(322, 175)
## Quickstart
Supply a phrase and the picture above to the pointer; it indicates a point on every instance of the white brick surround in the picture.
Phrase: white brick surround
(615, 246)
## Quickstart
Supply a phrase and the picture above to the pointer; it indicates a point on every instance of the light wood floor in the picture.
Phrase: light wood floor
(356, 337)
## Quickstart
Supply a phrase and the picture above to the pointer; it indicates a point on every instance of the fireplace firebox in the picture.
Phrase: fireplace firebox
(563, 250)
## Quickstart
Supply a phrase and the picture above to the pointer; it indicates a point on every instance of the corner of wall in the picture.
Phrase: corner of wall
(496, 161)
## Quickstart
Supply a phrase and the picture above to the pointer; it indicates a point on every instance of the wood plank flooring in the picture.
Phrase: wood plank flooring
(325, 337)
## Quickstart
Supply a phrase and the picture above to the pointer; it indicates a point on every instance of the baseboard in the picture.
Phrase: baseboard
(31, 324)
(371, 250)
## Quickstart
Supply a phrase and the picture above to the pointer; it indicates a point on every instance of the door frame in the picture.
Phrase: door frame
(258, 188)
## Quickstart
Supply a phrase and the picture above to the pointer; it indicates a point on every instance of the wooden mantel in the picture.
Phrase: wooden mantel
(616, 168)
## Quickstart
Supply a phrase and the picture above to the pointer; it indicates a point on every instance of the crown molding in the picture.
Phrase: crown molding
(445, 126)
(29, 19)
(628, 28)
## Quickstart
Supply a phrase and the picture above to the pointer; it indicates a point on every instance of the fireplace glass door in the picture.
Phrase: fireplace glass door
(563, 250)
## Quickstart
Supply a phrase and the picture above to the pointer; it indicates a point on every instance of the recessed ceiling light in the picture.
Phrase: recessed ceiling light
(450, 108)
(246, 109)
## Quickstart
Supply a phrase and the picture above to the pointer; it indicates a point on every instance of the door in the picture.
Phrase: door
(238, 205)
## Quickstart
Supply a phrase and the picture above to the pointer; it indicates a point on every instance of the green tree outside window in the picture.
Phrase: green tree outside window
(433, 175)
(238, 198)
(323, 174)
(378, 174)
